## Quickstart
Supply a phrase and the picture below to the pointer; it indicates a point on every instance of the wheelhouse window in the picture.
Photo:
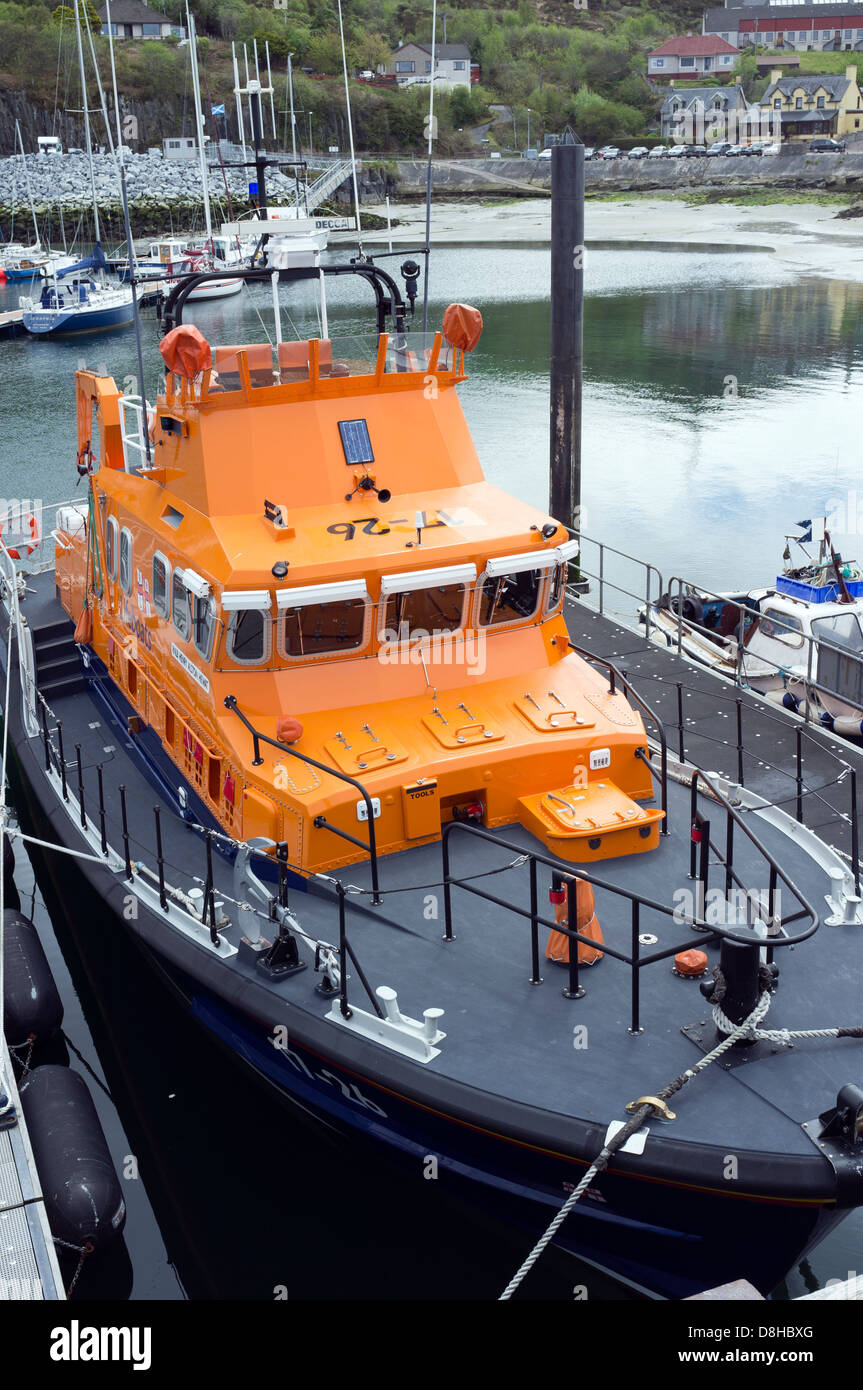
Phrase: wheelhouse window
(323, 619)
(111, 530)
(840, 655)
(180, 611)
(511, 587)
(126, 560)
(161, 585)
(422, 603)
(783, 626)
(203, 624)
(558, 576)
(249, 626)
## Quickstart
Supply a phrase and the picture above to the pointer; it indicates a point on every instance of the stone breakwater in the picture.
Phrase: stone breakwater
(163, 193)
(531, 178)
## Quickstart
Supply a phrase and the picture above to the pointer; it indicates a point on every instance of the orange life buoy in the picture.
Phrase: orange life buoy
(557, 948)
(30, 545)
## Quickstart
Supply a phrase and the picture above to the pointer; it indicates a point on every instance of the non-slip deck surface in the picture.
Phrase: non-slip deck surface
(504, 1034)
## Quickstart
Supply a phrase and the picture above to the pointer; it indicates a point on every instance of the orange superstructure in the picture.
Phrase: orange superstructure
(313, 536)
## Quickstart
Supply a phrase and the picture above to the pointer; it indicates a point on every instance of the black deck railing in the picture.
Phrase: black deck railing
(320, 822)
(636, 958)
(742, 749)
(615, 678)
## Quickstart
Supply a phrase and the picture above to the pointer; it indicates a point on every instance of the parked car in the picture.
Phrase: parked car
(735, 150)
(640, 152)
(609, 152)
(677, 152)
(590, 152)
(720, 148)
(532, 153)
(768, 148)
(826, 146)
(658, 152)
(695, 152)
(546, 154)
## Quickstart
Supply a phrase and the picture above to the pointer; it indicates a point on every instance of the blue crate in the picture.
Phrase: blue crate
(816, 593)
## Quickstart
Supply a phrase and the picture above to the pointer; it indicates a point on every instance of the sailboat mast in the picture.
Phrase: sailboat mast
(114, 81)
(27, 182)
(196, 92)
(89, 142)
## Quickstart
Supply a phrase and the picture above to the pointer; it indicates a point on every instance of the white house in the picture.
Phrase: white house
(692, 55)
(412, 62)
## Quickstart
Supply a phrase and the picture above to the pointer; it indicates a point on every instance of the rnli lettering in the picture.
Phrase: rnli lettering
(421, 808)
(135, 624)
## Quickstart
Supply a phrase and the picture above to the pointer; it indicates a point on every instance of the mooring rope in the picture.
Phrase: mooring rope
(600, 1163)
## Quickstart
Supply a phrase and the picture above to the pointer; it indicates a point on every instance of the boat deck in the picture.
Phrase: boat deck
(28, 1265)
(709, 738)
(505, 1035)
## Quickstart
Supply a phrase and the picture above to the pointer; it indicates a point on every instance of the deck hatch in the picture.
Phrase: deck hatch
(356, 442)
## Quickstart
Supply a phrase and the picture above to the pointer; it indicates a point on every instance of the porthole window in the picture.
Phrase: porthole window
(111, 530)
(126, 560)
(180, 610)
(161, 585)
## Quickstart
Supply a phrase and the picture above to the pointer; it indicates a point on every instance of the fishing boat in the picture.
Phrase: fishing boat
(291, 685)
(799, 641)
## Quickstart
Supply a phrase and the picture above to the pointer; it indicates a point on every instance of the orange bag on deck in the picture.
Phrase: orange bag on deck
(586, 922)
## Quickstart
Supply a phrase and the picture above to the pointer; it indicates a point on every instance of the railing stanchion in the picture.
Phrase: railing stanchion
(343, 955)
(740, 769)
(772, 927)
(102, 830)
(45, 738)
(160, 861)
(80, 786)
(601, 577)
(535, 977)
(799, 773)
(855, 834)
(125, 823)
(680, 748)
(635, 969)
(62, 759)
(808, 701)
(704, 867)
(573, 989)
(694, 820)
(447, 890)
(729, 854)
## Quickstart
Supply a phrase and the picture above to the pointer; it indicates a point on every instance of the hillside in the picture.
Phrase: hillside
(563, 64)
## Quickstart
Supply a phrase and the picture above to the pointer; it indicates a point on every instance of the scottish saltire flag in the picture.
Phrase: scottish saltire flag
(217, 110)
(807, 527)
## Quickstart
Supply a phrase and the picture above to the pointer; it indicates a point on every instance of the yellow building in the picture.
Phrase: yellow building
(810, 106)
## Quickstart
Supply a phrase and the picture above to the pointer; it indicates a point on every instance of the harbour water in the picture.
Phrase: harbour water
(720, 408)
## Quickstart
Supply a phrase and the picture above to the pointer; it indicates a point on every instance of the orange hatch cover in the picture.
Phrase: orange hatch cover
(186, 351)
(462, 326)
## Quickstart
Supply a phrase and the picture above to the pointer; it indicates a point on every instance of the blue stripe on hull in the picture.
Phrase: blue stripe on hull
(55, 322)
(664, 1238)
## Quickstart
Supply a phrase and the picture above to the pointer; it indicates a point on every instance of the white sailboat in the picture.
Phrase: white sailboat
(85, 302)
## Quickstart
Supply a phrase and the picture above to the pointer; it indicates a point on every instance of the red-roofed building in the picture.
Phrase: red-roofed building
(692, 55)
